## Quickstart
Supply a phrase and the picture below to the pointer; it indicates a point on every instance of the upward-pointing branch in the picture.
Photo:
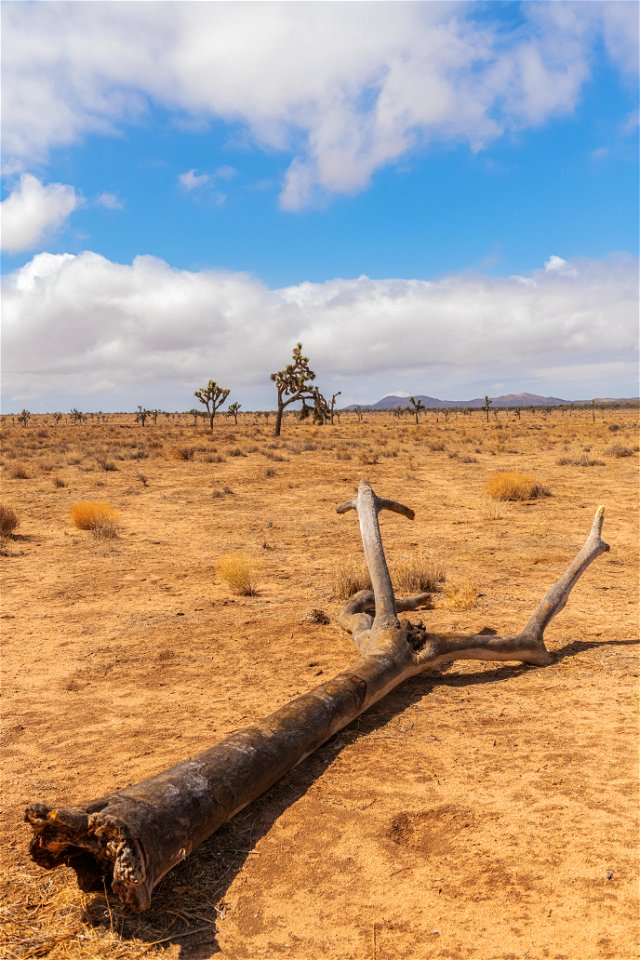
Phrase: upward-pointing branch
(368, 506)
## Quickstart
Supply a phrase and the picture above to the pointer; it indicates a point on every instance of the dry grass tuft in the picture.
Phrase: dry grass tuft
(514, 485)
(419, 574)
(99, 517)
(9, 521)
(491, 509)
(351, 578)
(460, 594)
(239, 571)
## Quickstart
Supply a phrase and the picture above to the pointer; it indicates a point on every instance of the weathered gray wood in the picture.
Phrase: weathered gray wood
(130, 839)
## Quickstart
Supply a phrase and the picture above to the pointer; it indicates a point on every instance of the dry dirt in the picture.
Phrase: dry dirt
(488, 812)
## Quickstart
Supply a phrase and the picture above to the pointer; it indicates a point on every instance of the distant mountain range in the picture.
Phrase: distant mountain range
(392, 402)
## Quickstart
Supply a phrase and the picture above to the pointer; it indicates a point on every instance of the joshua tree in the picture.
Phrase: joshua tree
(23, 417)
(486, 405)
(292, 383)
(127, 841)
(213, 397)
(76, 415)
(233, 411)
(142, 415)
(416, 407)
(516, 412)
(333, 412)
(57, 417)
(358, 412)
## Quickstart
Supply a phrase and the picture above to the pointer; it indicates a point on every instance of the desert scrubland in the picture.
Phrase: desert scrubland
(489, 811)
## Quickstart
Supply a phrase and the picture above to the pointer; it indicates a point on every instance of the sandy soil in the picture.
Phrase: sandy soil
(489, 812)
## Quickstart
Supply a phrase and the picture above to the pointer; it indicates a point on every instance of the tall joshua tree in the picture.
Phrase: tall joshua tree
(293, 383)
(486, 405)
(212, 396)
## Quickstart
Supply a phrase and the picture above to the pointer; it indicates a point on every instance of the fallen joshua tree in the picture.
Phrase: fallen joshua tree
(130, 839)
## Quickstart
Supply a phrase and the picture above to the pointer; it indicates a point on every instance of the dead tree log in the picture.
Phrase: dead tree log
(129, 840)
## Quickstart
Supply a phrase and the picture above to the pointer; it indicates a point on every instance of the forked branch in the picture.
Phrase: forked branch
(128, 840)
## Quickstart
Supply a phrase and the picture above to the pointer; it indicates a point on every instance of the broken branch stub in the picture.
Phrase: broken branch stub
(130, 839)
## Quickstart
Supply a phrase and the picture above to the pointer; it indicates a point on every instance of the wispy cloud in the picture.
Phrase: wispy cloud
(157, 331)
(33, 210)
(111, 201)
(341, 101)
(194, 181)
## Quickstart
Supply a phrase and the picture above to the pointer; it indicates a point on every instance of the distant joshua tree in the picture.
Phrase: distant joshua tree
(233, 411)
(416, 407)
(23, 417)
(293, 383)
(486, 405)
(333, 412)
(76, 415)
(212, 396)
(141, 415)
(57, 417)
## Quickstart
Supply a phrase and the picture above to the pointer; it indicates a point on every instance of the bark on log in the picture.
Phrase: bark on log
(130, 839)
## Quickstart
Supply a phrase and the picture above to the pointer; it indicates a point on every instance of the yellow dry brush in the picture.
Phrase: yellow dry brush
(240, 572)
(97, 516)
(514, 485)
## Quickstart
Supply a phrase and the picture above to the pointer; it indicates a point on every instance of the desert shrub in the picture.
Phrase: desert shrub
(614, 427)
(239, 571)
(619, 451)
(584, 460)
(183, 453)
(513, 485)
(351, 578)
(269, 473)
(107, 465)
(343, 455)
(58, 482)
(9, 521)
(237, 452)
(418, 574)
(19, 472)
(107, 529)
(93, 514)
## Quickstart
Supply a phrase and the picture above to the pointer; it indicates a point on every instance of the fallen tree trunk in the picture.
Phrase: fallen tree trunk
(129, 840)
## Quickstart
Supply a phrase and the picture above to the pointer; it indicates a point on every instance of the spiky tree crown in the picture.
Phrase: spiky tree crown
(212, 395)
(293, 381)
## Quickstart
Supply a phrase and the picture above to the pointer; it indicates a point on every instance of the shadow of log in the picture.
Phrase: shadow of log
(189, 901)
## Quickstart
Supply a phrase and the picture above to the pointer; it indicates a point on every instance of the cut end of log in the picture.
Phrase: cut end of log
(98, 847)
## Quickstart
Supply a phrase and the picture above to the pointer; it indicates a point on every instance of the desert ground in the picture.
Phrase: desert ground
(489, 811)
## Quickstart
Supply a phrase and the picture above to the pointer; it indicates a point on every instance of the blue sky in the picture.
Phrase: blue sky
(445, 202)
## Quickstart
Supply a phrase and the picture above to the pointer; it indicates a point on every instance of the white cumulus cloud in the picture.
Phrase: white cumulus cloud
(33, 210)
(84, 331)
(342, 88)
